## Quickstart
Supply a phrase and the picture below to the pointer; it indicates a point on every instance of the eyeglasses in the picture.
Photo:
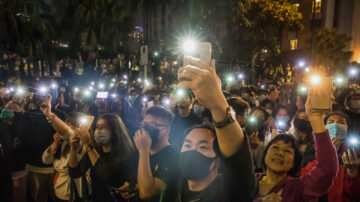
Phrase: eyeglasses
(153, 124)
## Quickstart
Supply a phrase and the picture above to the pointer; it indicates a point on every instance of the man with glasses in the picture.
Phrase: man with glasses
(158, 161)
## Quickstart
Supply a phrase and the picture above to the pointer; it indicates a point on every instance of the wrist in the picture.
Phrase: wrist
(219, 111)
(144, 152)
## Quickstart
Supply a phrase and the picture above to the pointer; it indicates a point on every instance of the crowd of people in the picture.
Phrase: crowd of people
(183, 135)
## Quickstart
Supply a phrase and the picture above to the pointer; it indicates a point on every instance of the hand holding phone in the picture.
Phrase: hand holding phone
(85, 122)
(320, 93)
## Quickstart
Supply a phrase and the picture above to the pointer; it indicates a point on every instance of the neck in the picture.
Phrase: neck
(274, 177)
(161, 144)
(201, 184)
(107, 148)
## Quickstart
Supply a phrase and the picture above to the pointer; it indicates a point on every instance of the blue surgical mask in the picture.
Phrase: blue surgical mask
(337, 130)
(132, 98)
(102, 137)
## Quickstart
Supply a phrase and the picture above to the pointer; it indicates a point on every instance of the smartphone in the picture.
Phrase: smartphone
(203, 52)
(320, 96)
(85, 122)
(102, 95)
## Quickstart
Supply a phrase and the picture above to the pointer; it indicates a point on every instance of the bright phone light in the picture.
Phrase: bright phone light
(315, 79)
(101, 86)
(303, 89)
(189, 46)
(43, 89)
(241, 76)
(139, 80)
(112, 85)
(281, 123)
(91, 88)
(180, 93)
(145, 99)
(167, 102)
(87, 93)
(262, 86)
(301, 63)
(12, 89)
(147, 83)
(156, 54)
(7, 91)
(76, 89)
(113, 95)
(53, 85)
(230, 79)
(113, 80)
(252, 119)
(307, 69)
(353, 71)
(92, 83)
(20, 91)
(125, 76)
(83, 120)
(353, 141)
(339, 80)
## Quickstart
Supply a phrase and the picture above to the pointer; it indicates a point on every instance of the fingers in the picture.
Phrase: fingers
(345, 159)
(197, 63)
(355, 155)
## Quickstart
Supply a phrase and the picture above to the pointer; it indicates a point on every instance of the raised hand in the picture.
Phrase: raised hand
(351, 161)
(84, 136)
(45, 106)
(142, 141)
(75, 142)
(203, 81)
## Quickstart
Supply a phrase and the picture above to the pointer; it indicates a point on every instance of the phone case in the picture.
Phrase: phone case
(321, 96)
(203, 52)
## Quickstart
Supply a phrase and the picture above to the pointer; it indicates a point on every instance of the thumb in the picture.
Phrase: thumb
(279, 192)
(212, 64)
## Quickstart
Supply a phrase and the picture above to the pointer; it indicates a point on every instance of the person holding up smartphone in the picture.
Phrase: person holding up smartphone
(282, 159)
(206, 148)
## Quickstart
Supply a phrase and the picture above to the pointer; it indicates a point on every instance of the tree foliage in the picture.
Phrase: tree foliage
(330, 49)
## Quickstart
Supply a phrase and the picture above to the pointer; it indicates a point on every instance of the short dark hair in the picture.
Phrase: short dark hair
(287, 138)
(239, 105)
(280, 106)
(263, 110)
(160, 112)
(206, 125)
(337, 113)
(267, 101)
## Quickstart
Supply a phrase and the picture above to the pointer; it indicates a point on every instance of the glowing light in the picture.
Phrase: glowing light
(241, 76)
(7, 91)
(315, 79)
(167, 101)
(156, 54)
(230, 79)
(139, 80)
(87, 93)
(113, 95)
(339, 80)
(83, 120)
(147, 83)
(262, 86)
(125, 76)
(353, 71)
(180, 93)
(101, 86)
(76, 89)
(112, 85)
(54, 85)
(353, 141)
(12, 89)
(145, 99)
(43, 89)
(91, 88)
(307, 69)
(281, 123)
(113, 80)
(252, 119)
(301, 63)
(92, 83)
(189, 46)
(303, 89)
(20, 91)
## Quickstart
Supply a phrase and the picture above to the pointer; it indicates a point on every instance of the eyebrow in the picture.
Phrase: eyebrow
(186, 140)
(203, 141)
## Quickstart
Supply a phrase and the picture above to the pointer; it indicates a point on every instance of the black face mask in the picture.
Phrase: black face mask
(302, 125)
(194, 165)
(153, 132)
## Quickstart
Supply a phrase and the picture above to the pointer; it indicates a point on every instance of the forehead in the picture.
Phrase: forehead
(151, 118)
(302, 115)
(200, 135)
(336, 117)
(258, 113)
(282, 143)
(101, 122)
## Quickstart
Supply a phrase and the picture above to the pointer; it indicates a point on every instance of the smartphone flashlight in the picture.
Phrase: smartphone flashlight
(167, 101)
(252, 119)
(92, 83)
(307, 69)
(87, 93)
(315, 80)
(53, 85)
(241, 76)
(339, 80)
(113, 80)
(189, 46)
(76, 89)
(125, 76)
(43, 89)
(112, 85)
(139, 80)
(302, 89)
(145, 99)
(147, 83)
(101, 86)
(353, 141)
(114, 95)
(230, 79)
(83, 120)
(102, 95)
(20, 91)
(180, 93)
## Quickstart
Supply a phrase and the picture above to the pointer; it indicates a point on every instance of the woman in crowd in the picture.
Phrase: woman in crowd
(109, 155)
(282, 117)
(58, 154)
(346, 185)
(282, 159)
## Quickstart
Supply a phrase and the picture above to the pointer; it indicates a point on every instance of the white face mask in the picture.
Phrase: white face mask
(102, 137)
